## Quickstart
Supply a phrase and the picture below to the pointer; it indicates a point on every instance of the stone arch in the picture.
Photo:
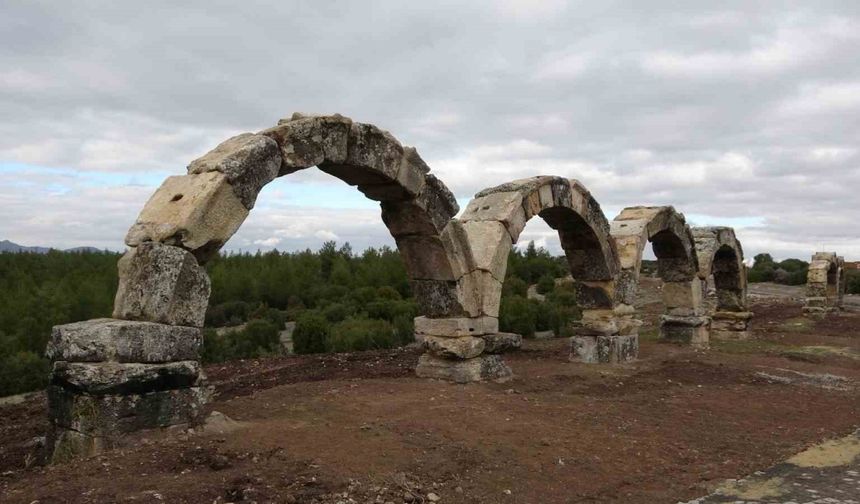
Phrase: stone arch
(825, 283)
(677, 265)
(720, 255)
(140, 369)
(491, 224)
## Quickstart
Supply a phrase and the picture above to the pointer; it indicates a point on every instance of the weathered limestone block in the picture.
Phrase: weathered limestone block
(481, 293)
(65, 445)
(501, 342)
(196, 212)
(111, 415)
(409, 183)
(427, 214)
(490, 245)
(817, 272)
(505, 207)
(484, 367)
(601, 322)
(425, 257)
(692, 330)
(101, 340)
(730, 325)
(248, 161)
(307, 141)
(161, 283)
(103, 378)
(465, 347)
(456, 243)
(374, 148)
(604, 349)
(438, 298)
(456, 327)
(683, 298)
(594, 294)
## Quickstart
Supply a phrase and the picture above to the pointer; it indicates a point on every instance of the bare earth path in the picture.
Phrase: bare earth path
(360, 428)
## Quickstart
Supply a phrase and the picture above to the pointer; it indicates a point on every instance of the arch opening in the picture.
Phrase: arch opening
(677, 266)
(721, 258)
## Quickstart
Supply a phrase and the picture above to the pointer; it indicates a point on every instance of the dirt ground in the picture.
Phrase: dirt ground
(360, 428)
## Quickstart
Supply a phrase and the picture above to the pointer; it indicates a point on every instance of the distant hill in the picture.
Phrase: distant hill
(14, 248)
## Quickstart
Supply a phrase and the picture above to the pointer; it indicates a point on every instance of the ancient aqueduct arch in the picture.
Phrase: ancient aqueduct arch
(140, 369)
(720, 255)
(825, 283)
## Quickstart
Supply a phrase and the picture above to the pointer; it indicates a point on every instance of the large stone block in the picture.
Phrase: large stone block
(694, 331)
(465, 347)
(248, 161)
(103, 378)
(455, 327)
(437, 298)
(425, 257)
(686, 294)
(485, 367)
(459, 250)
(490, 245)
(481, 293)
(196, 212)
(501, 342)
(161, 283)
(604, 349)
(307, 141)
(504, 207)
(730, 325)
(113, 415)
(101, 340)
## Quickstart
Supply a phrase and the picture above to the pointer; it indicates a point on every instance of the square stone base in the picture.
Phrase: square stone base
(727, 326)
(604, 349)
(694, 331)
(483, 367)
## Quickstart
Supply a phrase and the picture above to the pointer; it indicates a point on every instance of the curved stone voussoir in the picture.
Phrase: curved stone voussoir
(309, 140)
(197, 212)
(248, 161)
(161, 283)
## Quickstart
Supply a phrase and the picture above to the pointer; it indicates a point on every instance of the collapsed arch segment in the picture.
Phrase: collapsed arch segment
(677, 265)
(721, 256)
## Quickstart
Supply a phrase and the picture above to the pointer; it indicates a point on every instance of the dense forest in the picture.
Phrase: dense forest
(340, 301)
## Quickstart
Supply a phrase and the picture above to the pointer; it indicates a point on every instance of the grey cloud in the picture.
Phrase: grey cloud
(737, 110)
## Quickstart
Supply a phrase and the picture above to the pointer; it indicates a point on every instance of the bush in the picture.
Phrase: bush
(517, 315)
(852, 277)
(546, 284)
(311, 333)
(361, 334)
(22, 372)
(388, 292)
(336, 312)
(258, 338)
(404, 326)
(515, 286)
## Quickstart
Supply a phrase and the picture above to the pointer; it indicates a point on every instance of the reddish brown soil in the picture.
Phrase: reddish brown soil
(666, 428)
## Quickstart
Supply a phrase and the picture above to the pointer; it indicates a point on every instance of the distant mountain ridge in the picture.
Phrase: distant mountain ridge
(13, 248)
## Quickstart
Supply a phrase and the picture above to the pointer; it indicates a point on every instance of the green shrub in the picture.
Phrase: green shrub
(258, 338)
(361, 334)
(336, 312)
(517, 315)
(404, 326)
(388, 292)
(311, 333)
(515, 286)
(546, 284)
(22, 372)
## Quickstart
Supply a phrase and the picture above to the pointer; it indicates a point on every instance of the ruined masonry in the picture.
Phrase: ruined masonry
(825, 284)
(141, 368)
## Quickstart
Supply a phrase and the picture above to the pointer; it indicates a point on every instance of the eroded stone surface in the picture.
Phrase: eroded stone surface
(485, 367)
(161, 283)
(501, 342)
(454, 327)
(248, 161)
(101, 378)
(196, 212)
(100, 340)
(604, 349)
(307, 141)
(465, 347)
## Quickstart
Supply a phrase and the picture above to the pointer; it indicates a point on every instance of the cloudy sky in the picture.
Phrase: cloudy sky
(746, 114)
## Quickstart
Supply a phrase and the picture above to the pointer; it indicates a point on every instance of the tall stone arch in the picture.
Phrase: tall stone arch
(825, 283)
(721, 256)
(490, 225)
(677, 265)
(140, 369)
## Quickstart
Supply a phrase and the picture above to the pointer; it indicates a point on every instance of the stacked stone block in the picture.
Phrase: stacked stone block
(685, 320)
(721, 256)
(825, 284)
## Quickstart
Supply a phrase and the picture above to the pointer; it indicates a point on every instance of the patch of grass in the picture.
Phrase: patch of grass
(652, 335)
(796, 324)
(750, 346)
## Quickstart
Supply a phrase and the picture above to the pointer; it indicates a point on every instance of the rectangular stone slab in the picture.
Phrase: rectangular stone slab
(111, 415)
(102, 378)
(105, 339)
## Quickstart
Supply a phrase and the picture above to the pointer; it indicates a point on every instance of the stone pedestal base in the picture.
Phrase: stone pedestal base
(604, 349)
(483, 367)
(692, 330)
(112, 377)
(731, 325)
